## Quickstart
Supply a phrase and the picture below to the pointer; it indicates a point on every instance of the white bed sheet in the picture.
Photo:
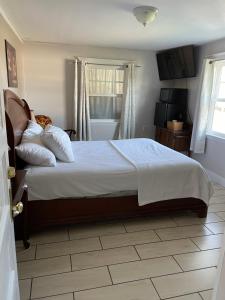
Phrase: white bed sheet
(98, 169)
(108, 167)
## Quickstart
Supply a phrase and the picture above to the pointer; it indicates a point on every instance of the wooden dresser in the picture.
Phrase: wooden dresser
(177, 140)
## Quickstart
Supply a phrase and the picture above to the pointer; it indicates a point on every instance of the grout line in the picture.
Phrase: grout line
(71, 266)
(137, 252)
(100, 241)
(191, 239)
(45, 297)
(155, 288)
(173, 256)
(31, 286)
(125, 228)
(74, 296)
(157, 235)
(200, 296)
(35, 253)
(110, 275)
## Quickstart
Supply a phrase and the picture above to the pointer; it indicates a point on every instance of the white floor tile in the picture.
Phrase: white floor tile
(127, 239)
(188, 297)
(138, 290)
(166, 248)
(41, 267)
(209, 241)
(68, 247)
(216, 207)
(198, 260)
(59, 297)
(184, 283)
(182, 232)
(23, 254)
(25, 286)
(216, 227)
(194, 219)
(206, 295)
(221, 214)
(103, 257)
(70, 282)
(148, 223)
(50, 236)
(143, 269)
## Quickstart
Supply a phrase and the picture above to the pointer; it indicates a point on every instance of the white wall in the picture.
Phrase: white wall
(214, 157)
(49, 80)
(6, 33)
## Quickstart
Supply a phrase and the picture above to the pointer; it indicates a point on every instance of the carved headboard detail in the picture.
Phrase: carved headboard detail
(17, 115)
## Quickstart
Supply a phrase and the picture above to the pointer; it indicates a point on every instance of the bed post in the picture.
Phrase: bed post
(202, 210)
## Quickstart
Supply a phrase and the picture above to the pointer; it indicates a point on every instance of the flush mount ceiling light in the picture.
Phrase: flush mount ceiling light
(145, 14)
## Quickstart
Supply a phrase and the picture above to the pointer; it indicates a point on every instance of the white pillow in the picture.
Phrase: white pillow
(36, 154)
(31, 149)
(32, 134)
(58, 142)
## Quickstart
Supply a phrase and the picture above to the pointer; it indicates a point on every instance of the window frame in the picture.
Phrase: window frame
(107, 64)
(218, 66)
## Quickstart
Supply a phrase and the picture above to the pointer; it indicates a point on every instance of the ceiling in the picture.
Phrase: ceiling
(110, 23)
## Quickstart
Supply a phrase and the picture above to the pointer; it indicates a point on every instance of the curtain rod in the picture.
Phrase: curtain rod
(113, 65)
(126, 65)
(213, 60)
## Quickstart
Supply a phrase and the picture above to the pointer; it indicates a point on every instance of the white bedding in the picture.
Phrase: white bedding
(163, 173)
(107, 167)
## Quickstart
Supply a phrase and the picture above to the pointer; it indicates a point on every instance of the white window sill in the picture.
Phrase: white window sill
(104, 121)
(216, 138)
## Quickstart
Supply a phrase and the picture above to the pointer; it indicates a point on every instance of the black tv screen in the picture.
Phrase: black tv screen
(176, 63)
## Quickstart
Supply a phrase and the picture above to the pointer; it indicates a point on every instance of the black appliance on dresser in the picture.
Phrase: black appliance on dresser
(172, 105)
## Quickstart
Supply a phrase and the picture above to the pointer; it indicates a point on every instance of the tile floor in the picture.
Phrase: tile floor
(167, 257)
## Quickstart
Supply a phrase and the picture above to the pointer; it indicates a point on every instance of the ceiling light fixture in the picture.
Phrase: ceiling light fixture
(145, 14)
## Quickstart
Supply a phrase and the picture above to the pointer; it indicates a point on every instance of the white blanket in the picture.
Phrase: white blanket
(163, 173)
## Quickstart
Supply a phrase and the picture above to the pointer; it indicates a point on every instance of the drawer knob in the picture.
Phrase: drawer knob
(17, 209)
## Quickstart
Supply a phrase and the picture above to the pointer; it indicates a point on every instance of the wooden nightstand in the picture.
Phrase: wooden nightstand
(178, 140)
(19, 194)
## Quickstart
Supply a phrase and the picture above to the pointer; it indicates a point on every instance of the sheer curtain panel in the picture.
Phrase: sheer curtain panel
(105, 91)
(127, 121)
(202, 107)
(81, 101)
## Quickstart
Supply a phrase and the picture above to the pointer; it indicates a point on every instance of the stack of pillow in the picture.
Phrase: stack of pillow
(42, 147)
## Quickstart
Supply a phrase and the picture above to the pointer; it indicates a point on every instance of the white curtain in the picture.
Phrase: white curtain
(127, 121)
(81, 101)
(202, 107)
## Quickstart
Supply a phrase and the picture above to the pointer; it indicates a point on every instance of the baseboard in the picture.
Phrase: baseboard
(216, 178)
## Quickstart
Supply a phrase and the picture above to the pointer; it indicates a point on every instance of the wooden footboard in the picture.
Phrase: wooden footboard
(44, 213)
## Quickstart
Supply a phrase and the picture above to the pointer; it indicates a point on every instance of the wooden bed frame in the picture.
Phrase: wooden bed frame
(43, 213)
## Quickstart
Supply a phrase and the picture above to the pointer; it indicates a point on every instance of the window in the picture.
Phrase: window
(106, 84)
(217, 109)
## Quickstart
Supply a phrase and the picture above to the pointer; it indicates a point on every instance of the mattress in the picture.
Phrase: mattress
(119, 168)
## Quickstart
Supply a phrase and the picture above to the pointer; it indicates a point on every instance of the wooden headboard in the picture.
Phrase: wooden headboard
(17, 115)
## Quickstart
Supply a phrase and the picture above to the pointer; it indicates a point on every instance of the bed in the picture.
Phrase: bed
(108, 180)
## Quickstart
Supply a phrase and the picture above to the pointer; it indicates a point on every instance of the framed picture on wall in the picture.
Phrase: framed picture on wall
(11, 65)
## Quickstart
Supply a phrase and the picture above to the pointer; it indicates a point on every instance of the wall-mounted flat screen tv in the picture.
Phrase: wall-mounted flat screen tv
(176, 63)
